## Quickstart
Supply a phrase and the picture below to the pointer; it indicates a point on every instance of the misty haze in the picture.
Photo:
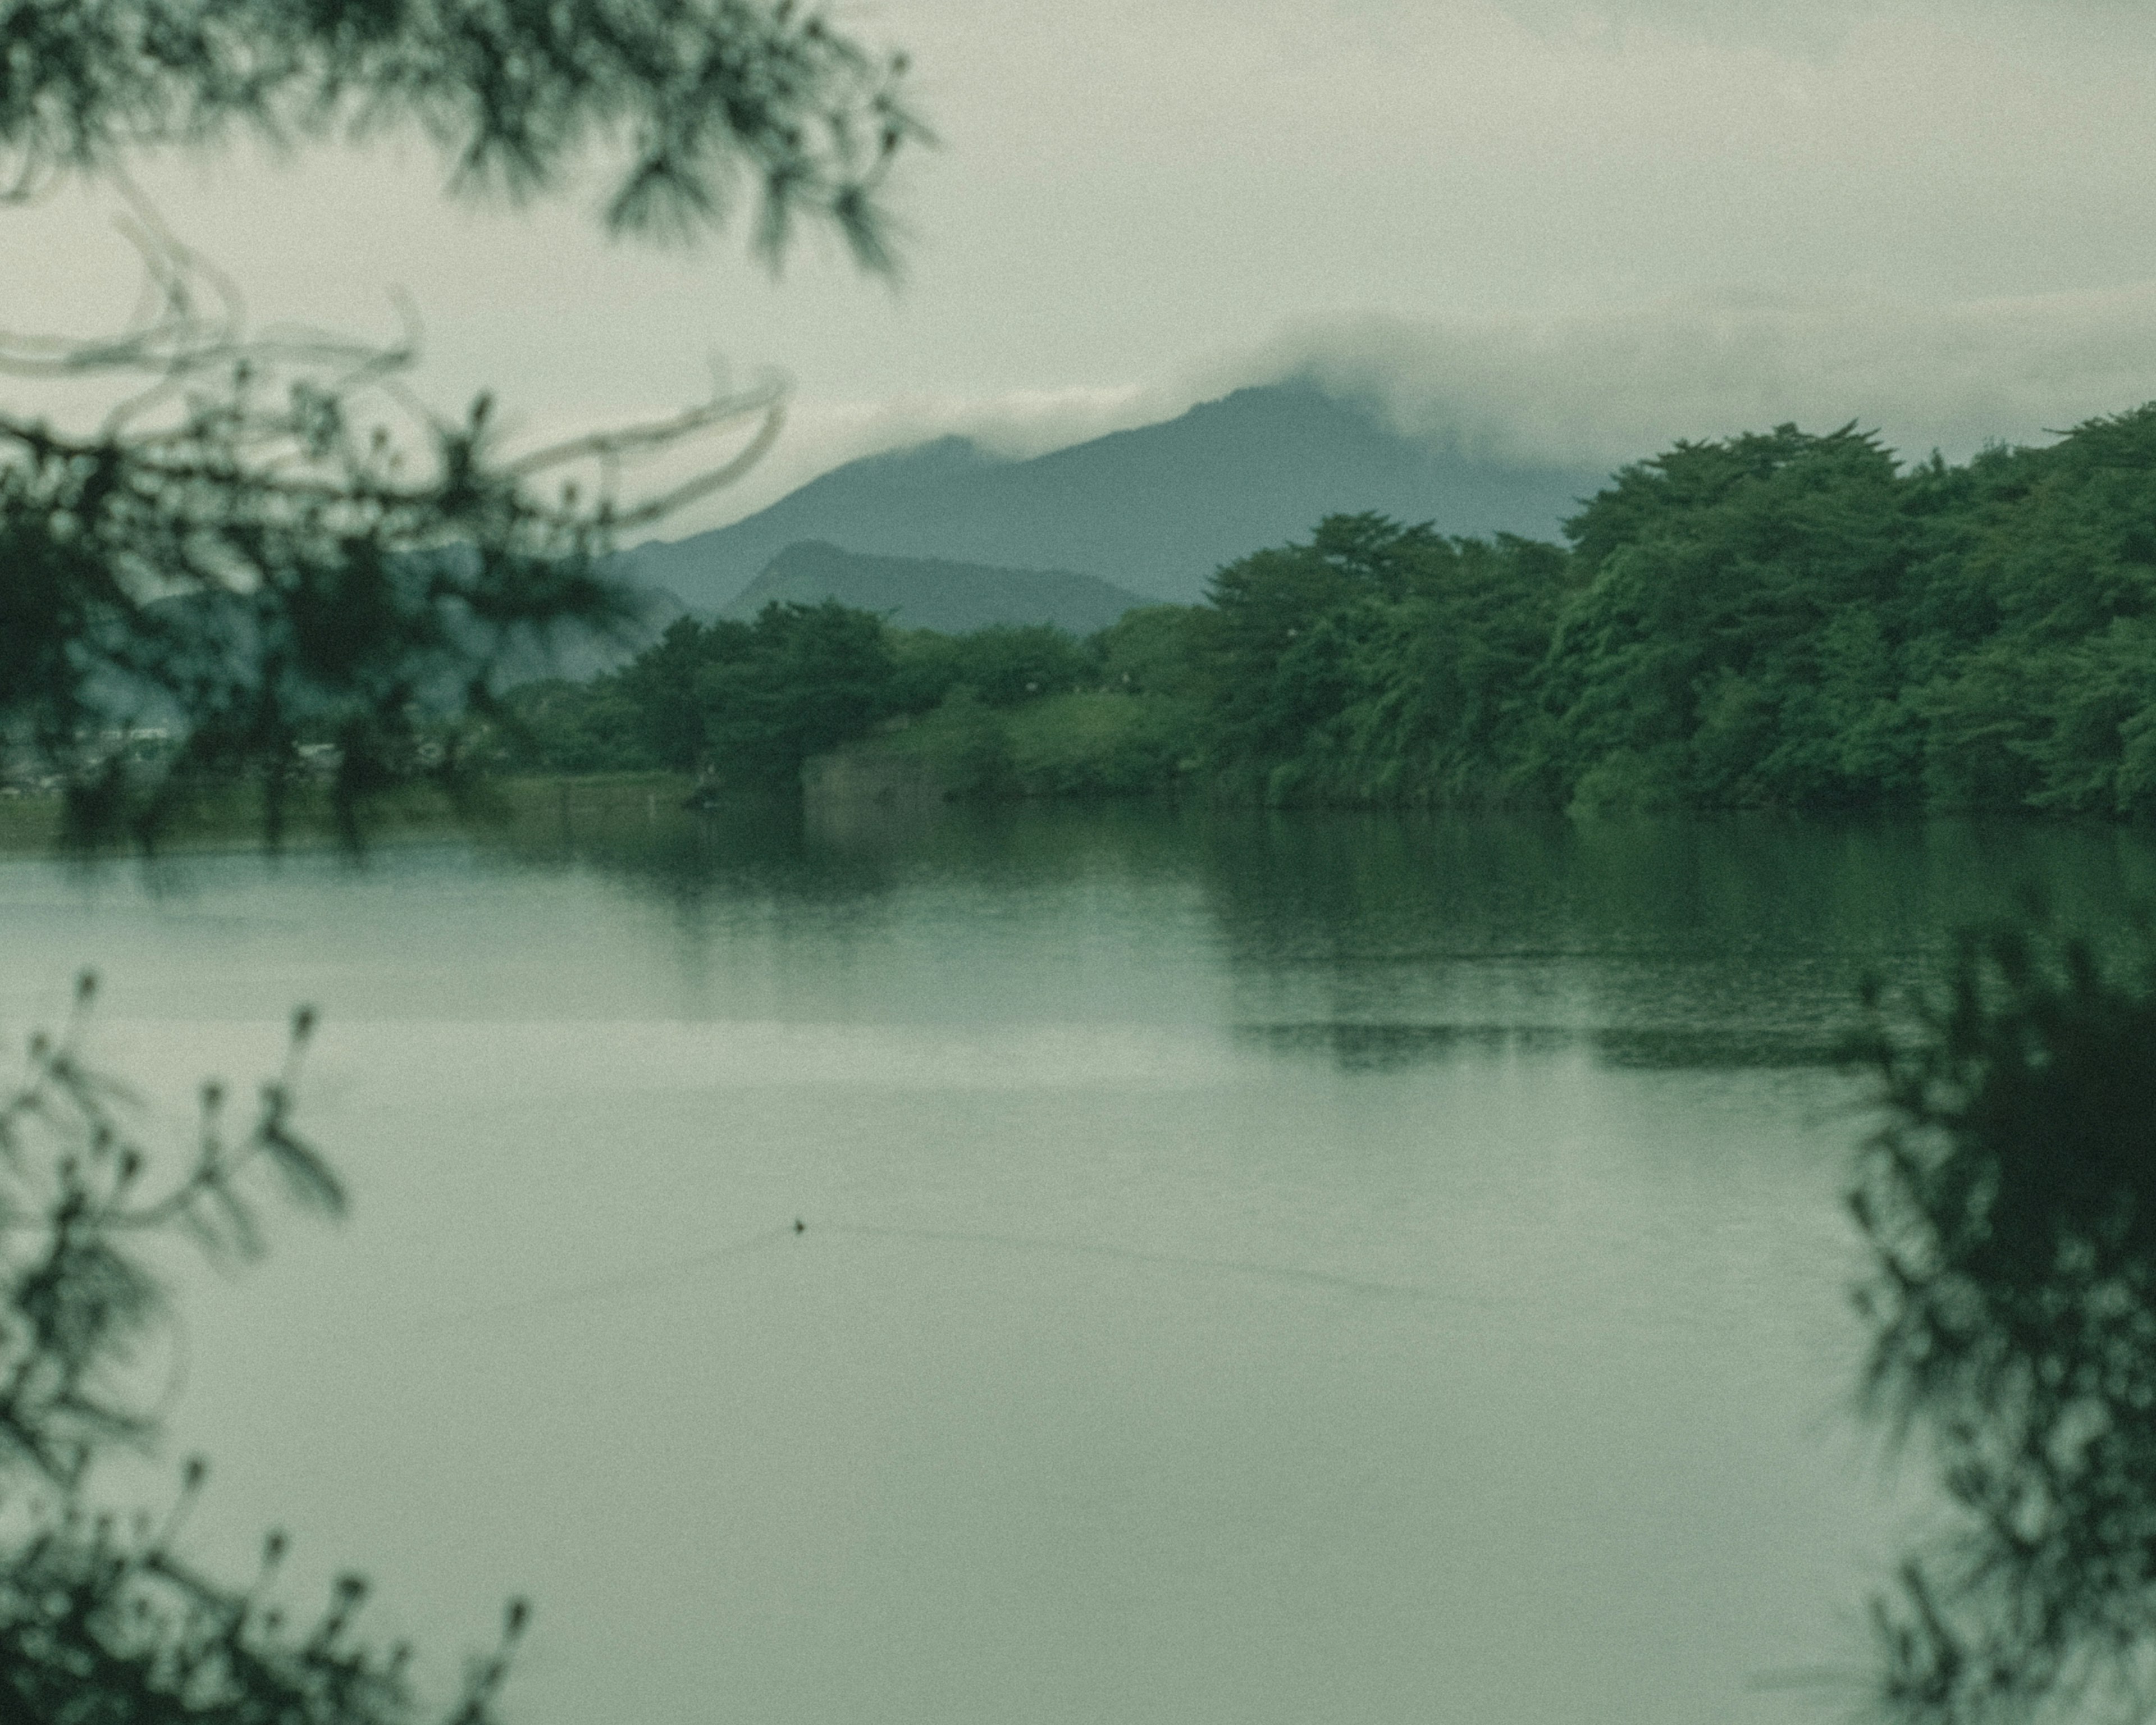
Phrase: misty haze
(1279, 864)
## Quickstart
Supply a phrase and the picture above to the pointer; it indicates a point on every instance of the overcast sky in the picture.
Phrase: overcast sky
(1548, 229)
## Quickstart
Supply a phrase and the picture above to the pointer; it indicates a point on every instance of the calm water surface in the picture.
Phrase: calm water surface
(1256, 1270)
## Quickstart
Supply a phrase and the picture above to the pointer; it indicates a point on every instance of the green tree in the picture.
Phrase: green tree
(1273, 647)
(2037, 609)
(1005, 665)
(555, 726)
(1781, 620)
(806, 677)
(1698, 645)
(746, 703)
(1378, 662)
(1793, 620)
(1151, 650)
(664, 684)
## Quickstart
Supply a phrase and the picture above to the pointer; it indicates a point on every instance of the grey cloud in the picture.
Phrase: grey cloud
(1614, 385)
(1813, 30)
(1809, 31)
(1593, 389)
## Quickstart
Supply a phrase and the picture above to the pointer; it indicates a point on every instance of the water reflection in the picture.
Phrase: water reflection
(1392, 1048)
(1365, 890)
(1259, 1268)
(1383, 942)
(829, 853)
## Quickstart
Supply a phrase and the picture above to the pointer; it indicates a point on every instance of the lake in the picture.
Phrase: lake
(1255, 1267)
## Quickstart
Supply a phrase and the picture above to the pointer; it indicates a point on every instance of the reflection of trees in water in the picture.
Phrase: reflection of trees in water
(836, 852)
(756, 847)
(1732, 941)
(1289, 885)
(1396, 1047)
(1387, 940)
(745, 848)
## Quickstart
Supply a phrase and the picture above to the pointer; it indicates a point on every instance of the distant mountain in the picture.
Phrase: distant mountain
(931, 593)
(1157, 510)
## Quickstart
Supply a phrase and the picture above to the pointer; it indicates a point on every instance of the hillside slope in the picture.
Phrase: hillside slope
(1156, 509)
(931, 592)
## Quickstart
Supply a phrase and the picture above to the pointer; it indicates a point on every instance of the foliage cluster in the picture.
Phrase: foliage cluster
(2009, 1204)
(1376, 664)
(745, 704)
(268, 544)
(102, 1622)
(681, 101)
(1776, 620)
(1794, 621)
(1773, 620)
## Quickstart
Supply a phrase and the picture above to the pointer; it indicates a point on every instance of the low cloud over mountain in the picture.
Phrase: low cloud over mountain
(1590, 390)
(1613, 386)
(1481, 425)
(1156, 508)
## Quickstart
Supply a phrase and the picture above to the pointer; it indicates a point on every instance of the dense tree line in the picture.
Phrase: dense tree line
(1777, 619)
(746, 703)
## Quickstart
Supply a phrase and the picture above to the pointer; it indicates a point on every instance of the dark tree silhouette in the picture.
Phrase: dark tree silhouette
(270, 542)
(102, 1620)
(269, 545)
(681, 99)
(2008, 1203)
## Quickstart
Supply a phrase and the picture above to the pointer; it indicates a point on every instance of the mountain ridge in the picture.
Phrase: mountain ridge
(933, 593)
(1155, 509)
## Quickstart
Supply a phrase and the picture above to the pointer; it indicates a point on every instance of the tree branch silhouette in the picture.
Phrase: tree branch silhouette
(267, 542)
(2008, 1201)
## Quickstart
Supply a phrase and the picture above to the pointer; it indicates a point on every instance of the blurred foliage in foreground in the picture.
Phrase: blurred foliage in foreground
(2008, 1203)
(102, 1622)
(258, 560)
